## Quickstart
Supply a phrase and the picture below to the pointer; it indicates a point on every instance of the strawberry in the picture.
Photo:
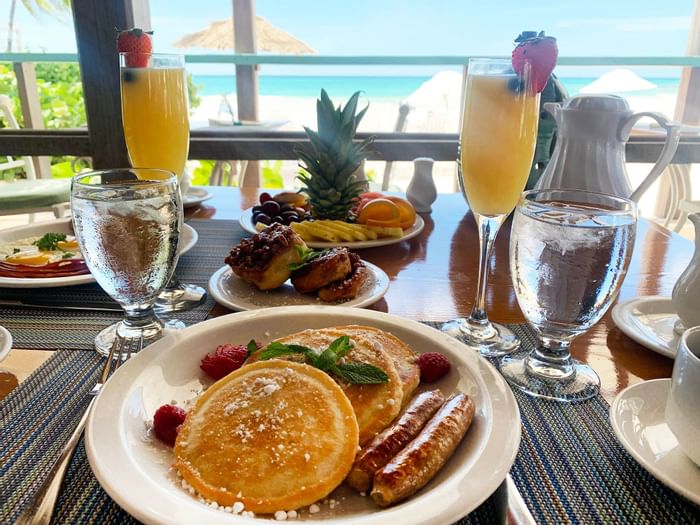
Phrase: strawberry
(166, 423)
(225, 359)
(541, 52)
(137, 44)
(433, 365)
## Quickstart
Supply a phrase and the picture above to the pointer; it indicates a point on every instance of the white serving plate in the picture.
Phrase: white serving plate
(246, 222)
(195, 196)
(134, 468)
(649, 321)
(5, 342)
(230, 291)
(187, 241)
(638, 419)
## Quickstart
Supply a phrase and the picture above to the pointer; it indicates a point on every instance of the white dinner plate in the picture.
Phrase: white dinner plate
(134, 468)
(230, 291)
(637, 417)
(187, 242)
(649, 321)
(5, 342)
(246, 222)
(195, 196)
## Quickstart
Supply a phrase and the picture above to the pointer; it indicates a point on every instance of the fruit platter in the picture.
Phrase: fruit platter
(333, 207)
(378, 220)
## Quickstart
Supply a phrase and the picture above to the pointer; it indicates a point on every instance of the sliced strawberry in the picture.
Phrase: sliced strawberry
(541, 52)
(136, 43)
(225, 359)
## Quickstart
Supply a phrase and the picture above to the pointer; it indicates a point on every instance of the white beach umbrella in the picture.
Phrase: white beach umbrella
(445, 88)
(618, 81)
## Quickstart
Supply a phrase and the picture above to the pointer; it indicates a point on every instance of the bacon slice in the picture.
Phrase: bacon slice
(55, 269)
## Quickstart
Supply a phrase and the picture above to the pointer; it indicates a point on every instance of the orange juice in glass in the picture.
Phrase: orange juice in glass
(496, 148)
(155, 113)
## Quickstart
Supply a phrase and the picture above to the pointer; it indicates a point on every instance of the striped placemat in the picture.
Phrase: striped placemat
(46, 328)
(569, 469)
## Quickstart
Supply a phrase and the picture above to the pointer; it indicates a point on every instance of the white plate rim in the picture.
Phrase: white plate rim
(196, 195)
(246, 222)
(5, 342)
(651, 468)
(502, 444)
(215, 284)
(72, 280)
(623, 309)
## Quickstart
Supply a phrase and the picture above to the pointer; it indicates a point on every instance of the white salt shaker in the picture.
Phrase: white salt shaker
(421, 191)
(686, 292)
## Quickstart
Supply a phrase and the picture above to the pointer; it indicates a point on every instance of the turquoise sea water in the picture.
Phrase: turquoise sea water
(397, 87)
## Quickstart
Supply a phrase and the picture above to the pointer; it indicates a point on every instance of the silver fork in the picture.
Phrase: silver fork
(40, 510)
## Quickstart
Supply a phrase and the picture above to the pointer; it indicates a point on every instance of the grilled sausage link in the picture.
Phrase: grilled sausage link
(388, 443)
(423, 457)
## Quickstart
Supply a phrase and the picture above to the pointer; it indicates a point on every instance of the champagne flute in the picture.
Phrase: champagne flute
(496, 148)
(155, 115)
(569, 253)
(128, 222)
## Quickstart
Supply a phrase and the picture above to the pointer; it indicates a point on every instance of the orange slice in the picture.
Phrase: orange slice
(35, 259)
(379, 210)
(406, 211)
(391, 223)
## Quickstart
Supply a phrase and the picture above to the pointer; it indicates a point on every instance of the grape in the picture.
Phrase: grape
(264, 197)
(271, 208)
(286, 207)
(265, 219)
(278, 218)
(257, 209)
(288, 215)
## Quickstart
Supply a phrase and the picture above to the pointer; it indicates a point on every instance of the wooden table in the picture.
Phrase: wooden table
(433, 277)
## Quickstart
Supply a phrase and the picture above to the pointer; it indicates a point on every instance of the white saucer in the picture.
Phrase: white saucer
(637, 417)
(195, 196)
(5, 342)
(230, 291)
(649, 321)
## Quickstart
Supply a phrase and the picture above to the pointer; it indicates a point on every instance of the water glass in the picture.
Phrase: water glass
(128, 222)
(569, 253)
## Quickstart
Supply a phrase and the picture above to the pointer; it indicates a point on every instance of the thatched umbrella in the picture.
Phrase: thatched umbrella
(219, 35)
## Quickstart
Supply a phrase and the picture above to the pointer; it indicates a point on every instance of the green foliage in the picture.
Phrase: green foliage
(272, 175)
(201, 175)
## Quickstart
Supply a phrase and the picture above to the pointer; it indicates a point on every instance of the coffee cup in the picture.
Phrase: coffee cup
(683, 404)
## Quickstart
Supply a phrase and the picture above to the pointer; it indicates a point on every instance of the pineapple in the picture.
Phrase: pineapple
(328, 165)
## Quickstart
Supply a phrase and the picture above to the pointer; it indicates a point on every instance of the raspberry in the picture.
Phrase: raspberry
(166, 423)
(433, 365)
(225, 359)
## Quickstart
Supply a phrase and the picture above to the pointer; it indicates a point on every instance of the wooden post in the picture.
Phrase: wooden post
(246, 76)
(687, 112)
(31, 110)
(95, 24)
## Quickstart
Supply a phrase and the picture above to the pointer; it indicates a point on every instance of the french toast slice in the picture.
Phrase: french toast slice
(274, 435)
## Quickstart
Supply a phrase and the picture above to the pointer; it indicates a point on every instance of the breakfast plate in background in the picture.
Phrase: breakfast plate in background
(246, 222)
(649, 321)
(135, 469)
(187, 241)
(195, 196)
(230, 291)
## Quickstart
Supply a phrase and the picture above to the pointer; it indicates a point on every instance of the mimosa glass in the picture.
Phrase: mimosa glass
(496, 149)
(128, 223)
(569, 253)
(155, 116)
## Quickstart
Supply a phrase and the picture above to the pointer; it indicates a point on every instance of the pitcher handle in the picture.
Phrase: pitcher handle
(673, 136)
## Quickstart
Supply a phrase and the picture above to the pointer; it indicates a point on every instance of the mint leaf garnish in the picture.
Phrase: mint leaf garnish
(327, 361)
(49, 241)
(361, 373)
(252, 346)
(306, 255)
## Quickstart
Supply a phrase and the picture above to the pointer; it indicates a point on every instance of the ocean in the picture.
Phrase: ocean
(384, 87)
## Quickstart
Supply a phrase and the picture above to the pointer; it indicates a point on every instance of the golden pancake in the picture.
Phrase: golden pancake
(375, 405)
(274, 435)
(404, 358)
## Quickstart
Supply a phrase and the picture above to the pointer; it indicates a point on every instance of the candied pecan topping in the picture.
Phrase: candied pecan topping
(257, 251)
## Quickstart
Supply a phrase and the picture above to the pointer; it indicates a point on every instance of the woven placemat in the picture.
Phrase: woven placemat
(46, 328)
(569, 469)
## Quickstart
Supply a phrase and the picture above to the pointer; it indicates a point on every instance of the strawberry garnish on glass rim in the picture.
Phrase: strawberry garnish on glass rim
(540, 52)
(136, 43)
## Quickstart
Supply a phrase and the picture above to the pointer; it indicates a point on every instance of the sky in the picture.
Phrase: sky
(413, 27)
